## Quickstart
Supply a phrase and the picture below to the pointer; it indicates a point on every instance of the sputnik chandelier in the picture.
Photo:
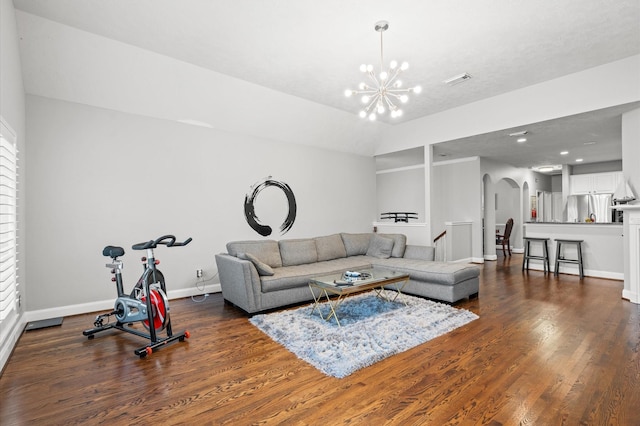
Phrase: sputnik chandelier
(387, 88)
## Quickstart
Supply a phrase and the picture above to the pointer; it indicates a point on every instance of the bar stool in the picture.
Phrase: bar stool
(560, 258)
(527, 253)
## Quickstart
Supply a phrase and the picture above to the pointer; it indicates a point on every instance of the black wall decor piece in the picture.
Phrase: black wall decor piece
(249, 210)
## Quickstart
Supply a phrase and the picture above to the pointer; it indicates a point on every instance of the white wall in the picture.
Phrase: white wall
(507, 202)
(12, 109)
(401, 191)
(603, 167)
(456, 196)
(100, 177)
(126, 78)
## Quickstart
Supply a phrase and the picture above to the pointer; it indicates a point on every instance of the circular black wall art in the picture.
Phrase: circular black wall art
(249, 210)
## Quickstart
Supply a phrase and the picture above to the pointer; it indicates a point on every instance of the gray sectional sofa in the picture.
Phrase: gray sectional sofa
(260, 275)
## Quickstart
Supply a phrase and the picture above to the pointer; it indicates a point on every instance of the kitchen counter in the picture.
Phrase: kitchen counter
(602, 249)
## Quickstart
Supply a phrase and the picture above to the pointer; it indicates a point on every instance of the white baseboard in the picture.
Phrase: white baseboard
(490, 257)
(630, 296)
(587, 272)
(83, 308)
(12, 338)
(467, 260)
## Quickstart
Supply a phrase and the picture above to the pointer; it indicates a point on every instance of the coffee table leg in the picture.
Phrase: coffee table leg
(316, 301)
(398, 289)
(333, 305)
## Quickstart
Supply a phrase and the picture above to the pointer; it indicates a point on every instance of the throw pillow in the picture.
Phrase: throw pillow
(380, 247)
(261, 267)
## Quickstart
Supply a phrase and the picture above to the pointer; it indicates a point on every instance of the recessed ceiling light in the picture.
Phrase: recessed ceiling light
(564, 152)
(579, 160)
(520, 140)
(545, 169)
(590, 143)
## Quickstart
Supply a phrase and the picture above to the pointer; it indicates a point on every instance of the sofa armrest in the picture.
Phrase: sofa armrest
(240, 282)
(420, 252)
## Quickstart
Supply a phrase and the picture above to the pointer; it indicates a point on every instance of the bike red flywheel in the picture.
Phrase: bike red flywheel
(159, 309)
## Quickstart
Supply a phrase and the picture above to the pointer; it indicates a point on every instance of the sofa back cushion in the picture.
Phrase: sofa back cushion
(298, 252)
(399, 244)
(356, 244)
(265, 250)
(330, 247)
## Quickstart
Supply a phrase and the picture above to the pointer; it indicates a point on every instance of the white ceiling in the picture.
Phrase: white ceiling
(312, 49)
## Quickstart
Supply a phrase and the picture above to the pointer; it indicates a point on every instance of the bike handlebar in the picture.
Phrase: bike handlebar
(167, 240)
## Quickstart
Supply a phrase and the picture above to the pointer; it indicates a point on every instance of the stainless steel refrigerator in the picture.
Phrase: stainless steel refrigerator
(594, 207)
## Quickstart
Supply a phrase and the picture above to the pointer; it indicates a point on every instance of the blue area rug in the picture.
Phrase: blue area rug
(372, 330)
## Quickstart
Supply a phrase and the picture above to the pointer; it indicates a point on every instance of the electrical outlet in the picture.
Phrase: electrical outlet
(199, 273)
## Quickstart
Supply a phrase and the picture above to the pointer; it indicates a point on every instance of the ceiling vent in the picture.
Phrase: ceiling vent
(458, 79)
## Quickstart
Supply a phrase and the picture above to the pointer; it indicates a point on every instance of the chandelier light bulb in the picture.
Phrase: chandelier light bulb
(384, 89)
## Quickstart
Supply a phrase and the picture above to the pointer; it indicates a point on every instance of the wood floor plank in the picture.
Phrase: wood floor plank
(546, 350)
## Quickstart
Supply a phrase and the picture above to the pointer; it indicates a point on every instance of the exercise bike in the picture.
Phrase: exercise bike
(147, 303)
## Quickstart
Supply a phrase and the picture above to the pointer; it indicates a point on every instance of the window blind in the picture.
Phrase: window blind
(8, 226)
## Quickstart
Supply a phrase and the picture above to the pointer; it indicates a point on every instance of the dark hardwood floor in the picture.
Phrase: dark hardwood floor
(545, 351)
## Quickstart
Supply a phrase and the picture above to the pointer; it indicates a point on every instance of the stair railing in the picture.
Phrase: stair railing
(440, 243)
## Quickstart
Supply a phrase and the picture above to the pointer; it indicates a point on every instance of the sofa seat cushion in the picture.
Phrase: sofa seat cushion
(265, 250)
(299, 275)
(432, 272)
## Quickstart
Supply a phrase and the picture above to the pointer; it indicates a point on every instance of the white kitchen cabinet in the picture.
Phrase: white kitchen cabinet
(580, 184)
(595, 183)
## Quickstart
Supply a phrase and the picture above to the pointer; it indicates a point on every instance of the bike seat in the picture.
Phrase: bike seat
(113, 251)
